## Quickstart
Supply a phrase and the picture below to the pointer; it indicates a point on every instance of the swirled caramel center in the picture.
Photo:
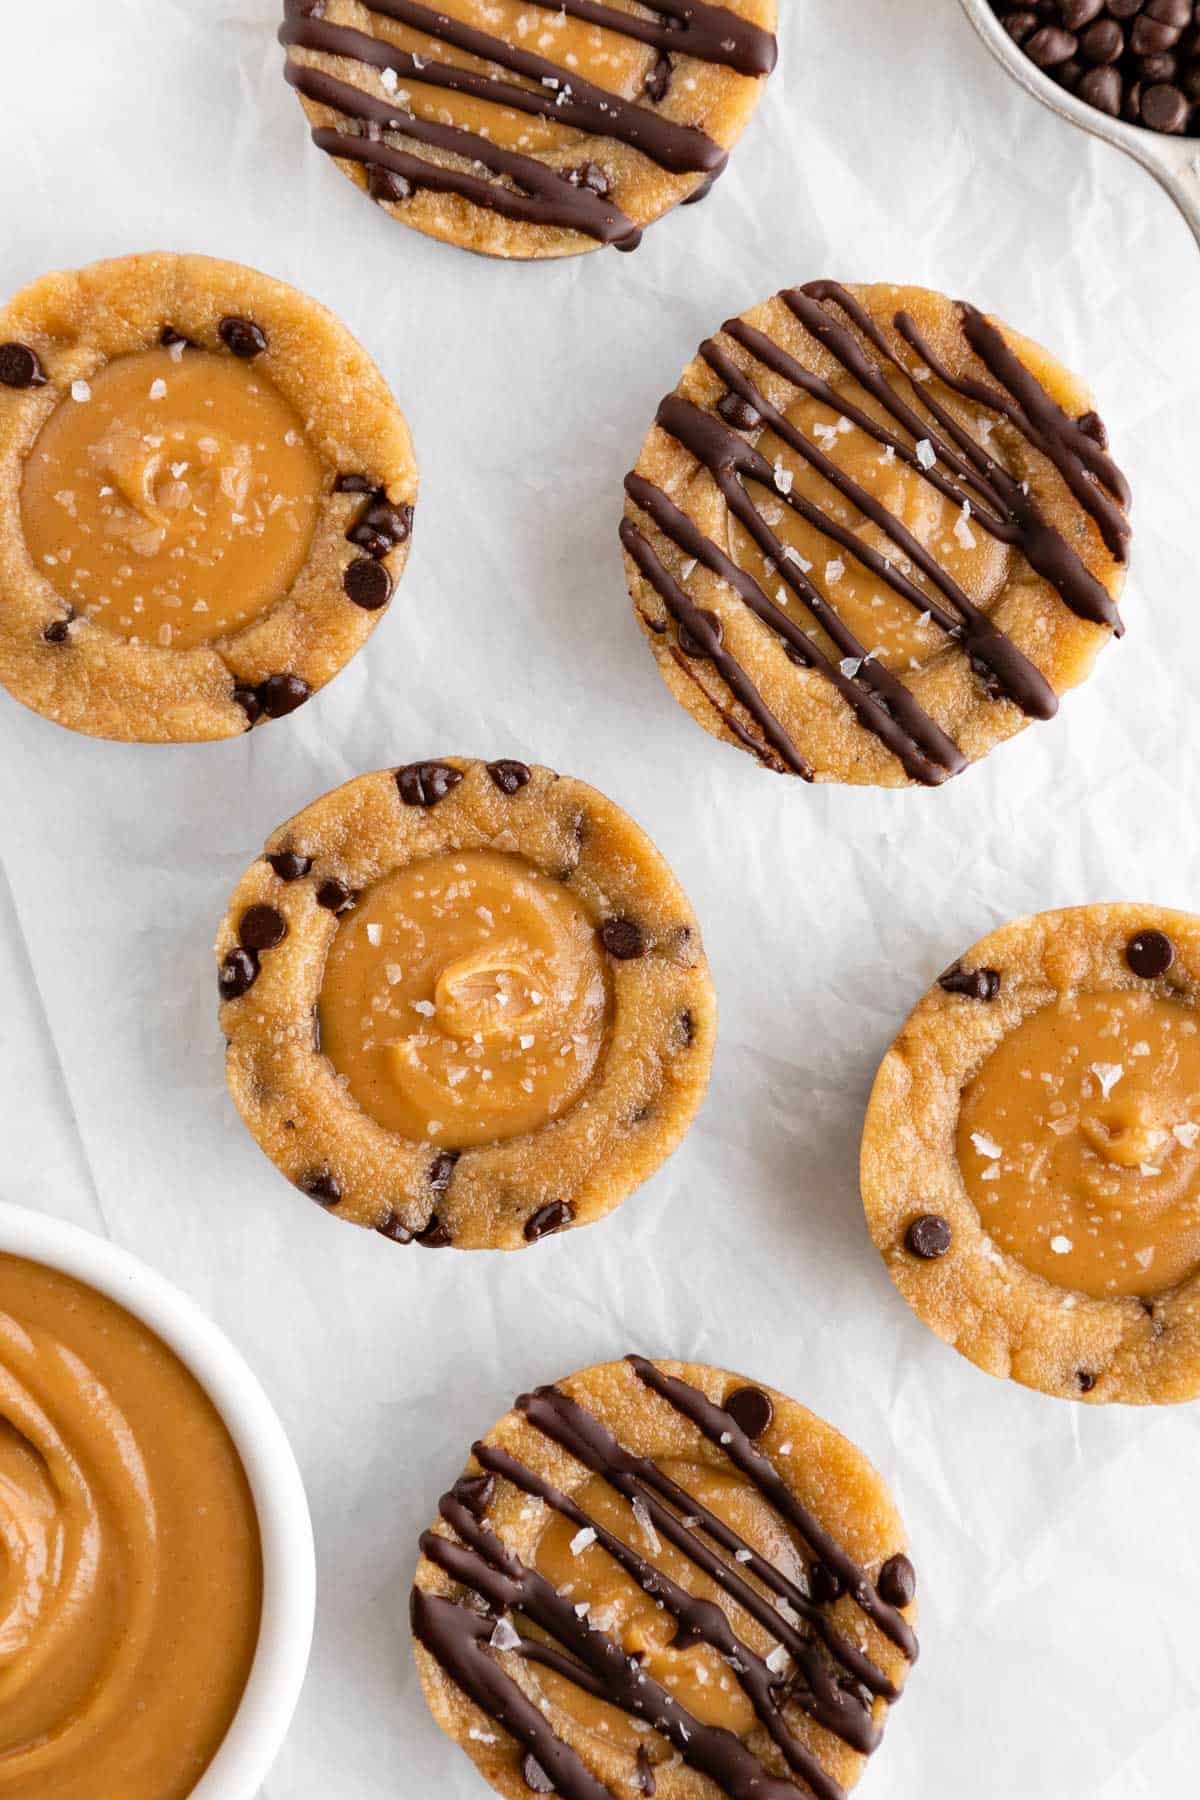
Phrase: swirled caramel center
(172, 496)
(900, 635)
(465, 999)
(1079, 1142)
(582, 1570)
(130, 1577)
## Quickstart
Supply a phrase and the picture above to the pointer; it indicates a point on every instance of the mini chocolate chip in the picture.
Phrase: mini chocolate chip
(334, 895)
(534, 1776)
(590, 175)
(1086, 1381)
(509, 776)
(897, 1584)
(57, 631)
(322, 1186)
(546, 1219)
(474, 1492)
(435, 1236)
(659, 79)
(751, 1410)
(261, 928)
(20, 367)
(738, 412)
(353, 484)
(623, 939)
(643, 1775)
(243, 337)
(425, 783)
(168, 336)
(441, 1169)
(1150, 953)
(824, 1584)
(387, 185)
(289, 865)
(238, 972)
(251, 705)
(282, 694)
(693, 645)
(367, 583)
(393, 1227)
(975, 984)
(929, 1237)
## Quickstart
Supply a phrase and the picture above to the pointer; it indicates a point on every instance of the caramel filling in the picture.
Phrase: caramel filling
(603, 58)
(130, 1579)
(465, 999)
(585, 1573)
(885, 624)
(172, 497)
(1079, 1141)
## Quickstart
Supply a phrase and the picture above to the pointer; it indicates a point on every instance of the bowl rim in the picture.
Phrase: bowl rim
(281, 1655)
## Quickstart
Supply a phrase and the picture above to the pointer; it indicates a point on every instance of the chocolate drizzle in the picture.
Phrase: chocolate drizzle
(831, 1678)
(529, 190)
(950, 459)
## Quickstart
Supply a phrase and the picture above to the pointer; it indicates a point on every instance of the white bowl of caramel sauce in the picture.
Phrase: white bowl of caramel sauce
(157, 1580)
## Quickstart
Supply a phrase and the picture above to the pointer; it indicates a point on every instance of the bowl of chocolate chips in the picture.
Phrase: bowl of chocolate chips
(1126, 70)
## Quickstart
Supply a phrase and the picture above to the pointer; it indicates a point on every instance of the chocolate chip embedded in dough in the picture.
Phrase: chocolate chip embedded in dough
(435, 1236)
(393, 1227)
(751, 1410)
(685, 1024)
(643, 1775)
(824, 1584)
(168, 337)
(237, 974)
(281, 694)
(334, 895)
(738, 412)
(549, 1218)
(1150, 953)
(534, 1776)
(242, 337)
(694, 646)
(261, 928)
(322, 1186)
(590, 175)
(897, 1584)
(425, 783)
(20, 367)
(623, 939)
(353, 484)
(367, 583)
(929, 1237)
(975, 984)
(381, 526)
(58, 630)
(386, 185)
(441, 1170)
(659, 79)
(1085, 1380)
(509, 776)
(289, 865)
(474, 1492)
(251, 705)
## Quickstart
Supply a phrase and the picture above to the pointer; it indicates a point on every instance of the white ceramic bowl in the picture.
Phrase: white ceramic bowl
(1173, 161)
(289, 1571)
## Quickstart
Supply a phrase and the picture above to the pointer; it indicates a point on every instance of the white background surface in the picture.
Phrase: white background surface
(1056, 1546)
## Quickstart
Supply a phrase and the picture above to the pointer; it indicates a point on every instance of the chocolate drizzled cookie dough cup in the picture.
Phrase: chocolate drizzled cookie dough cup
(465, 1004)
(1031, 1154)
(658, 1578)
(874, 533)
(528, 132)
(206, 498)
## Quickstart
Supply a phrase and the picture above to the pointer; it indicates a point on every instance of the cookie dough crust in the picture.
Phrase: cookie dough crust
(651, 1075)
(824, 1471)
(989, 1306)
(813, 714)
(703, 96)
(94, 681)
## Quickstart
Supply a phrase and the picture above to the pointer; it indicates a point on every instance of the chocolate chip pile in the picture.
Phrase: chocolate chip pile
(1133, 59)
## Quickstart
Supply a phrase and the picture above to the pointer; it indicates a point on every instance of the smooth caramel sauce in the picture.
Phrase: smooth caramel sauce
(1079, 1141)
(131, 1578)
(886, 625)
(465, 999)
(603, 58)
(172, 497)
(697, 1677)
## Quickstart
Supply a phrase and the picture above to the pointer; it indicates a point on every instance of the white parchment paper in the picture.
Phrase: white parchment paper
(1056, 1547)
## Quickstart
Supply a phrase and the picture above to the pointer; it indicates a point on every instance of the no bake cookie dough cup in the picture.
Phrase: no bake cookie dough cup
(529, 128)
(658, 1578)
(873, 533)
(206, 495)
(1031, 1155)
(465, 1003)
